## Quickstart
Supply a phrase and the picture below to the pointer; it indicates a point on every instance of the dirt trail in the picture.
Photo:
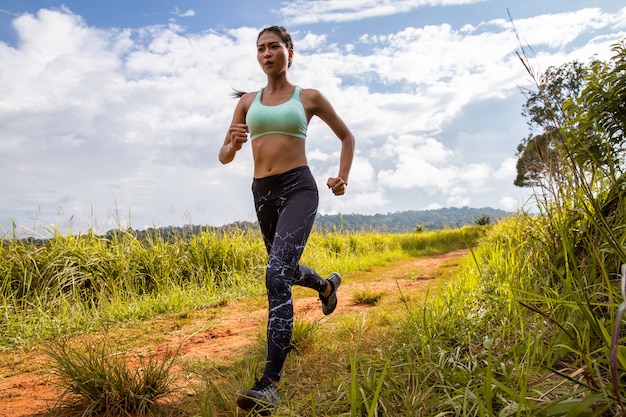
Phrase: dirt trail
(27, 389)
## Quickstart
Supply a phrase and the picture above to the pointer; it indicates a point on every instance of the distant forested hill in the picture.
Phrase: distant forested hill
(399, 222)
(409, 221)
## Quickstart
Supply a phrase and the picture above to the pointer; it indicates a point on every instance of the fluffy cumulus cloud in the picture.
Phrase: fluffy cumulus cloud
(304, 11)
(121, 127)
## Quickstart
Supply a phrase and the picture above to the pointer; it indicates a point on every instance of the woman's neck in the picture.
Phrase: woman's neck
(277, 84)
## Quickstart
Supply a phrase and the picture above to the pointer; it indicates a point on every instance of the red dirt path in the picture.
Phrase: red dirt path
(26, 380)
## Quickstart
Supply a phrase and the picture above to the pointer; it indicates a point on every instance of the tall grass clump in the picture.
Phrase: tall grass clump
(98, 380)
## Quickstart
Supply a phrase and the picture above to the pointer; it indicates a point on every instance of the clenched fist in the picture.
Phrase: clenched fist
(337, 185)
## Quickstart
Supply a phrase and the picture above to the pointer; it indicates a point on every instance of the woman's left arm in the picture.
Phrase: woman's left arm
(322, 108)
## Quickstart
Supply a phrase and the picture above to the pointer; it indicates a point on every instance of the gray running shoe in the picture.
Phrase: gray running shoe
(262, 397)
(329, 303)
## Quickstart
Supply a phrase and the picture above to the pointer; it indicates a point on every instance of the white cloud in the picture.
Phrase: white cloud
(510, 203)
(457, 201)
(306, 11)
(507, 169)
(558, 30)
(417, 162)
(427, 164)
(179, 13)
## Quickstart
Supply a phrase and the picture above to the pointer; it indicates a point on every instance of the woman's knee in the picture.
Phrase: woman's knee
(278, 284)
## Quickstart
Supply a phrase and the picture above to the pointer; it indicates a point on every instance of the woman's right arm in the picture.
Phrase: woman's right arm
(237, 133)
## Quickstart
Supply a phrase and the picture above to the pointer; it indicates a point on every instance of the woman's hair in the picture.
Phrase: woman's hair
(284, 36)
(280, 31)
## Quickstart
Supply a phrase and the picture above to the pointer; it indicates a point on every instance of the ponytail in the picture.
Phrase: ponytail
(237, 93)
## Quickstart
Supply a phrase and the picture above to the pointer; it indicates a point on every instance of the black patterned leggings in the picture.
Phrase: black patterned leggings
(286, 205)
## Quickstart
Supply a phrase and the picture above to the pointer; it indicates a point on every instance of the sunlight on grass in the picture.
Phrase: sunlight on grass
(97, 379)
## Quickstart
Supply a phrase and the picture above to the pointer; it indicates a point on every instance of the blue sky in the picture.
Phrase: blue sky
(112, 113)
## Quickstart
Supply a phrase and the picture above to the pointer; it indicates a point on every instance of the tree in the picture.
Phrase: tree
(483, 220)
(538, 154)
(537, 159)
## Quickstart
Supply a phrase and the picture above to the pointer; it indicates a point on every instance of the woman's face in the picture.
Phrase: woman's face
(272, 54)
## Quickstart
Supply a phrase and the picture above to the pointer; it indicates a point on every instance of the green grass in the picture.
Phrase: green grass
(98, 380)
(73, 284)
(511, 333)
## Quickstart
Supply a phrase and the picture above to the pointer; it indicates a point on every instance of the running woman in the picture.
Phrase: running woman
(275, 121)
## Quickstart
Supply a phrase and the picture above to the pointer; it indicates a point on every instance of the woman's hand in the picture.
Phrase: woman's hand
(337, 185)
(238, 133)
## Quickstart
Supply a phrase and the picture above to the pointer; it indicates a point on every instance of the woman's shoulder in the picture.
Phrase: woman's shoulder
(313, 100)
(311, 96)
(244, 101)
(309, 92)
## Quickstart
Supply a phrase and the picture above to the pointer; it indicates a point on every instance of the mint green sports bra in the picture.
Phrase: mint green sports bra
(288, 118)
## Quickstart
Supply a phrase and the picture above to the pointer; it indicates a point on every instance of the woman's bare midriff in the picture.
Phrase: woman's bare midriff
(275, 153)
